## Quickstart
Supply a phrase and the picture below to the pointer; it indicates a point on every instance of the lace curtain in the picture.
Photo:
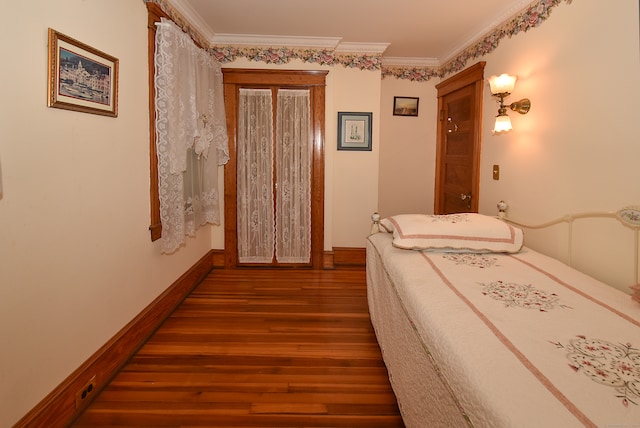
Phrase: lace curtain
(191, 134)
(255, 177)
(293, 177)
(260, 231)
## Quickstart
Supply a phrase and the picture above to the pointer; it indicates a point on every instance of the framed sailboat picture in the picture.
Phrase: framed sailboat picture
(354, 131)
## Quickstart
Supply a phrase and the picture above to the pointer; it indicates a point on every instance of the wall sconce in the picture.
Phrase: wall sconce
(501, 87)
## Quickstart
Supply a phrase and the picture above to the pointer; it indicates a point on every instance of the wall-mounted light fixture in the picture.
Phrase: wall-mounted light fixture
(501, 87)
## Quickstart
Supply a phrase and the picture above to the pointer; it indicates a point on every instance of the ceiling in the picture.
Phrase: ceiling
(430, 31)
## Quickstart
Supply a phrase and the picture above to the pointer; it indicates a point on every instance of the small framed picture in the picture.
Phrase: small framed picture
(405, 106)
(81, 78)
(354, 131)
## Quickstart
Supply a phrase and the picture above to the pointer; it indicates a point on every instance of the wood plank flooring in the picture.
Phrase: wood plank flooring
(257, 348)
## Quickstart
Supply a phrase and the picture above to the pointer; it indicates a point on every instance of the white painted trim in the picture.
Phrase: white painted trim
(274, 41)
(490, 26)
(185, 9)
(377, 48)
(410, 61)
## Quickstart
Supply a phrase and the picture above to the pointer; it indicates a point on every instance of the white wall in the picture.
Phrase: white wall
(76, 260)
(355, 173)
(407, 149)
(578, 148)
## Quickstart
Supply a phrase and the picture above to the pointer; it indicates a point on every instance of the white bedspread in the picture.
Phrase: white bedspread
(522, 340)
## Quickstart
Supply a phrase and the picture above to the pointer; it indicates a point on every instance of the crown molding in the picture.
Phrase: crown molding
(399, 61)
(329, 43)
(192, 17)
(373, 48)
(274, 41)
(497, 21)
(521, 17)
(334, 43)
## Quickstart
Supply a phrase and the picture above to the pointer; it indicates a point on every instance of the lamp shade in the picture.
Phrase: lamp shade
(502, 84)
(503, 124)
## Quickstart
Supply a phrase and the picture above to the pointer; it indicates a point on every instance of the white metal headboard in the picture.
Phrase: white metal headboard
(628, 216)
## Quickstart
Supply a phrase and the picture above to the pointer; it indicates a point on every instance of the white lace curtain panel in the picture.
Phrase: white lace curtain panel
(255, 177)
(191, 134)
(293, 177)
(260, 231)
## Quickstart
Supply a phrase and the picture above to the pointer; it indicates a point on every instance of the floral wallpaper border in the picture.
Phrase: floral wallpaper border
(532, 17)
(283, 55)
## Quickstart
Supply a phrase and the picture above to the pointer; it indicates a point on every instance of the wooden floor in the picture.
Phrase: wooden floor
(257, 348)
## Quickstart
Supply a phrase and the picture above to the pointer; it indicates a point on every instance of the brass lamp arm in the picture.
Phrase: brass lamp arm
(523, 106)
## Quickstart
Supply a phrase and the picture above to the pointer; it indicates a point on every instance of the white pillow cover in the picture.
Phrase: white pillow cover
(463, 232)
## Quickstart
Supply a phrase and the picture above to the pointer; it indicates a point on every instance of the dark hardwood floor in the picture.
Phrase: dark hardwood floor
(257, 348)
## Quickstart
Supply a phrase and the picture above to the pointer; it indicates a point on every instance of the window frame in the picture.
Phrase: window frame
(155, 13)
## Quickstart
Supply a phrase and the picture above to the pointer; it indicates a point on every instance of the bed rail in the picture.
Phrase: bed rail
(628, 216)
(375, 223)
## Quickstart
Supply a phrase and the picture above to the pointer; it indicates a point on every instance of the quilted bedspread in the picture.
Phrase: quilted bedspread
(522, 339)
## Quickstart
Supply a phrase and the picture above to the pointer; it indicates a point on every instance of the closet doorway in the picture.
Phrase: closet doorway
(274, 180)
(458, 142)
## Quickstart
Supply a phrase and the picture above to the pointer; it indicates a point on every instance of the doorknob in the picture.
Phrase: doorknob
(466, 197)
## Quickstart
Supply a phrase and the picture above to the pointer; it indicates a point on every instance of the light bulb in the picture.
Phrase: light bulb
(502, 84)
(503, 124)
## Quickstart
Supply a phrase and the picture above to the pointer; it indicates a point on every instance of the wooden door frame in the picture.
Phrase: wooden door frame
(286, 79)
(473, 75)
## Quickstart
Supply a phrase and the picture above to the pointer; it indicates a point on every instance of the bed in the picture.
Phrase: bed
(478, 330)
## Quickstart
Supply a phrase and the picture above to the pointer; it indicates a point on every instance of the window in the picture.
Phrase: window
(189, 134)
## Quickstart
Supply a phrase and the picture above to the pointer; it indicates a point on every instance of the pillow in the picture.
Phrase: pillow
(464, 232)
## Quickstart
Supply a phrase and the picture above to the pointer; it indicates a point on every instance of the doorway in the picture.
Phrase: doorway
(458, 144)
(238, 83)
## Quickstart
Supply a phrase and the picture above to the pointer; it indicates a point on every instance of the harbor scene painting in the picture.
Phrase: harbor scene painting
(81, 78)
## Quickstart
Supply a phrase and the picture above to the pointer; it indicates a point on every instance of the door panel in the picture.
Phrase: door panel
(314, 81)
(458, 147)
(459, 151)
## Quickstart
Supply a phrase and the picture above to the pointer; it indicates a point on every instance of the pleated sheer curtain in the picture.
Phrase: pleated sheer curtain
(266, 225)
(255, 177)
(191, 134)
(293, 177)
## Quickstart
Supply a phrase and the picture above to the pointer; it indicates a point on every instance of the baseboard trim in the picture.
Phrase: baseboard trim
(349, 256)
(218, 259)
(59, 407)
(345, 257)
(338, 257)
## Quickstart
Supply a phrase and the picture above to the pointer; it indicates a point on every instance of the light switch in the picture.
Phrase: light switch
(496, 172)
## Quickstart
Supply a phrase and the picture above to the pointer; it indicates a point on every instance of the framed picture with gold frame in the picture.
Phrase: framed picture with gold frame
(81, 78)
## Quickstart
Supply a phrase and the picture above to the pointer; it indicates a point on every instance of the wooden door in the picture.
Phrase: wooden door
(314, 81)
(458, 142)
